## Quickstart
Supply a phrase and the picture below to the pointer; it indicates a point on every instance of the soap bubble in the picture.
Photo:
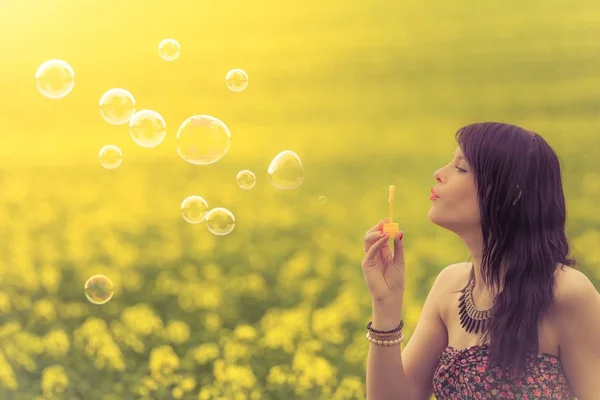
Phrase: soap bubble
(220, 221)
(202, 140)
(169, 49)
(246, 179)
(236, 80)
(99, 289)
(147, 128)
(117, 106)
(194, 209)
(55, 79)
(110, 156)
(285, 171)
(322, 199)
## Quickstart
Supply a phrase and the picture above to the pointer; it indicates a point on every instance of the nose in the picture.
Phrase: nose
(436, 176)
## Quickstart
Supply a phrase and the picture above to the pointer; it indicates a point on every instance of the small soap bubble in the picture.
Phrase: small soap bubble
(322, 199)
(220, 221)
(286, 171)
(110, 156)
(194, 209)
(203, 140)
(117, 106)
(169, 49)
(246, 179)
(55, 79)
(99, 289)
(147, 128)
(236, 80)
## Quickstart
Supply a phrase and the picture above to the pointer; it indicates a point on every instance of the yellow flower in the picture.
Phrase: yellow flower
(187, 384)
(95, 339)
(7, 375)
(231, 374)
(50, 277)
(240, 396)
(43, 310)
(177, 393)
(54, 380)
(208, 392)
(351, 387)
(212, 322)
(206, 352)
(276, 375)
(195, 296)
(178, 332)
(245, 332)
(150, 383)
(255, 395)
(295, 322)
(5, 306)
(163, 361)
(327, 323)
(56, 343)
(314, 370)
(141, 319)
(255, 284)
(233, 351)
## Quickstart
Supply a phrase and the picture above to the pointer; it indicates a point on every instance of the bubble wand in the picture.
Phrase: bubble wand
(391, 228)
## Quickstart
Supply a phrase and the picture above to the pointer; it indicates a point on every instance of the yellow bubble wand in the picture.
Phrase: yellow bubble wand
(391, 228)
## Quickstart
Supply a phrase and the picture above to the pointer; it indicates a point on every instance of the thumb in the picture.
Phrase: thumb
(399, 249)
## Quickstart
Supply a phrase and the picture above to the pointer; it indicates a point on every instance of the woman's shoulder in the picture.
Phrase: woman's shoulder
(569, 282)
(457, 274)
(563, 273)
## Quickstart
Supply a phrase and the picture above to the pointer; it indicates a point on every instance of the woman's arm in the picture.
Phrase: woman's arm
(577, 319)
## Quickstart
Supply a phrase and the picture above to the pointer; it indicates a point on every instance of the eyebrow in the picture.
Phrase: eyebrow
(459, 157)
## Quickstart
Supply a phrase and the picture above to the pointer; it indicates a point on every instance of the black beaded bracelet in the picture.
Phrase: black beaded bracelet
(392, 331)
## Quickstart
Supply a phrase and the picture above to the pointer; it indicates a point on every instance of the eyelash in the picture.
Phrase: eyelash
(461, 171)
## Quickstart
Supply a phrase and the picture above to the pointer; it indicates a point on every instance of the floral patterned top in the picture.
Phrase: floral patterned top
(464, 374)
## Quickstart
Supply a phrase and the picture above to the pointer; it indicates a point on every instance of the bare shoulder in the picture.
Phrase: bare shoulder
(452, 278)
(456, 274)
(570, 285)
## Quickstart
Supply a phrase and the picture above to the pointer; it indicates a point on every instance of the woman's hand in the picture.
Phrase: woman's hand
(384, 272)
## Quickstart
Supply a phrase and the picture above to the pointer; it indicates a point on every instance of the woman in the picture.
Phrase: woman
(518, 321)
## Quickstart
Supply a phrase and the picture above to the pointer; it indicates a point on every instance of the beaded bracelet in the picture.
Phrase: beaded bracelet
(380, 342)
(399, 327)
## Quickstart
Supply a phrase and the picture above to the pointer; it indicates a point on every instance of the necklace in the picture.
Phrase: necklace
(471, 318)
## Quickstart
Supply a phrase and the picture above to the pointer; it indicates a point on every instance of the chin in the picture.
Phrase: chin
(438, 219)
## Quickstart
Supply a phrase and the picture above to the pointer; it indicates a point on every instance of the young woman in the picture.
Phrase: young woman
(518, 321)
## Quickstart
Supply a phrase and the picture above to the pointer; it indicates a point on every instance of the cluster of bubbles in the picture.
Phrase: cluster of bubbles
(200, 140)
(219, 221)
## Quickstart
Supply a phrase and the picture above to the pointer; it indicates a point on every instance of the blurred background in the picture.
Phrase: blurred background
(366, 93)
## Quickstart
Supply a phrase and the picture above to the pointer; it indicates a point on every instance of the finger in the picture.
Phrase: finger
(372, 238)
(376, 246)
(398, 248)
(378, 226)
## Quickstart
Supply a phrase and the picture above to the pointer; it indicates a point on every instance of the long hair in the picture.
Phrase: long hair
(523, 213)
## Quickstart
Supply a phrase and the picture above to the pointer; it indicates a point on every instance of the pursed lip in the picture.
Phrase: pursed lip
(434, 193)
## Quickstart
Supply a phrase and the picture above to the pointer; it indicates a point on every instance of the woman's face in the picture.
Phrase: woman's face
(457, 208)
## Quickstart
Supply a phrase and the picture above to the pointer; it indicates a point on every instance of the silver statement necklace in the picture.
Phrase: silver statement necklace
(472, 319)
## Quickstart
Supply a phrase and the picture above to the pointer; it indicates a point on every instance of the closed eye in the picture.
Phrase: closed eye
(461, 171)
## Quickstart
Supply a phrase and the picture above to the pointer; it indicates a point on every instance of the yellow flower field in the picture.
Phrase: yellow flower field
(367, 93)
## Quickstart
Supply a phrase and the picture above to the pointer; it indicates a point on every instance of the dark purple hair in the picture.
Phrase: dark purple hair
(523, 212)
